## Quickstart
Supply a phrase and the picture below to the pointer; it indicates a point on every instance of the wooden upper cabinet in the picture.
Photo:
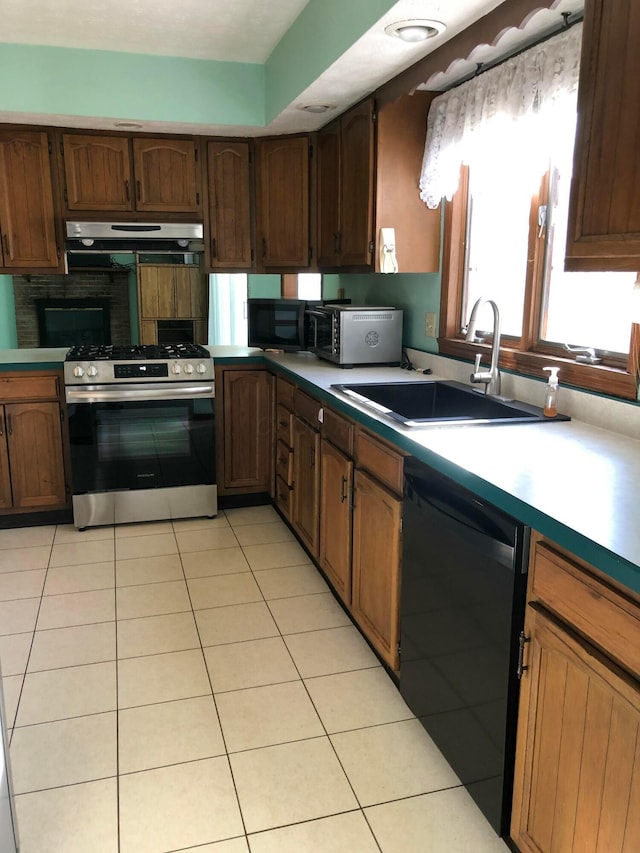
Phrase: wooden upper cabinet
(97, 172)
(27, 215)
(356, 185)
(328, 177)
(368, 174)
(171, 291)
(604, 213)
(166, 174)
(229, 205)
(282, 202)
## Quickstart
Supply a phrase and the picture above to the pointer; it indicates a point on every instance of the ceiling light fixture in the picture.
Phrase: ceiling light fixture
(128, 125)
(316, 108)
(415, 29)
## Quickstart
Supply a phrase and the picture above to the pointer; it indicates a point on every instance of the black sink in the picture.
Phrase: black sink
(424, 403)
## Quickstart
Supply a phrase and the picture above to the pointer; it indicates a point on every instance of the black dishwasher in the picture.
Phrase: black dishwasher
(464, 576)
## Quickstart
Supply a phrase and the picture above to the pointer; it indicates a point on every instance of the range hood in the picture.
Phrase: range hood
(155, 238)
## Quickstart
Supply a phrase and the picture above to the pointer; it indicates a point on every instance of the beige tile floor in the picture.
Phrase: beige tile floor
(195, 686)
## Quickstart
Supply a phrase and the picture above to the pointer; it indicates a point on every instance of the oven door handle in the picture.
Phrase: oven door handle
(127, 395)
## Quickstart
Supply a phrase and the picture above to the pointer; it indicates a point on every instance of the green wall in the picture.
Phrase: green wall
(264, 286)
(8, 333)
(322, 32)
(73, 82)
(413, 292)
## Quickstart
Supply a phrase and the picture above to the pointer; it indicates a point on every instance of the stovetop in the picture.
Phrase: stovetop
(143, 352)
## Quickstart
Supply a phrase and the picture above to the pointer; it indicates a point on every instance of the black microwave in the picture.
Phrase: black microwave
(276, 324)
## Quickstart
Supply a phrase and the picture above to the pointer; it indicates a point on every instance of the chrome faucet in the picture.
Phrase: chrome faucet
(491, 379)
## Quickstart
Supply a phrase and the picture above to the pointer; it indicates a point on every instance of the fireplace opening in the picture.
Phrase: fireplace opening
(71, 322)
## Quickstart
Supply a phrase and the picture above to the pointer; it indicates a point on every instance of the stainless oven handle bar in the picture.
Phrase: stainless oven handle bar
(132, 393)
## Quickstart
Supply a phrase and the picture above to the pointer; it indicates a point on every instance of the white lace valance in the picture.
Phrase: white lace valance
(541, 82)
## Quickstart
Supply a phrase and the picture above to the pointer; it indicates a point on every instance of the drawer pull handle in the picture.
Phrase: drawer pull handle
(343, 490)
(9, 425)
(127, 193)
(522, 641)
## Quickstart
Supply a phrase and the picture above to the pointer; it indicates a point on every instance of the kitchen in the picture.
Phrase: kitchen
(403, 283)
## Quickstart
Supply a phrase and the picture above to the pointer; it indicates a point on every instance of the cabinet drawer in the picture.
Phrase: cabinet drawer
(307, 408)
(284, 393)
(29, 388)
(284, 425)
(380, 460)
(284, 463)
(604, 616)
(283, 498)
(338, 430)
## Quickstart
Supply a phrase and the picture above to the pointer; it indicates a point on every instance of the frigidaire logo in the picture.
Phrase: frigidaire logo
(146, 475)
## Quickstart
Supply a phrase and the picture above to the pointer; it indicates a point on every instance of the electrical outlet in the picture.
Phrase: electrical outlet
(430, 324)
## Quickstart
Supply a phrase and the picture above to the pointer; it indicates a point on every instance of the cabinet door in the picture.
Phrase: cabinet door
(376, 565)
(335, 518)
(148, 332)
(156, 288)
(306, 483)
(166, 175)
(356, 186)
(604, 216)
(328, 170)
(34, 438)
(229, 205)
(577, 776)
(283, 201)
(5, 480)
(27, 220)
(188, 288)
(97, 172)
(247, 430)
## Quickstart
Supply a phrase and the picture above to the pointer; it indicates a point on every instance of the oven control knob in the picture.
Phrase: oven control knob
(188, 368)
(201, 368)
(175, 368)
(92, 370)
(78, 371)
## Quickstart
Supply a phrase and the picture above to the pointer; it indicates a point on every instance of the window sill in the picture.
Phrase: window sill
(593, 377)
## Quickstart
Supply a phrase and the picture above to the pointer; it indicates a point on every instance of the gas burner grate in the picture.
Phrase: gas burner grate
(144, 352)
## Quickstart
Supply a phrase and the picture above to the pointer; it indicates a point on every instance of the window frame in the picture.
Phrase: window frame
(526, 355)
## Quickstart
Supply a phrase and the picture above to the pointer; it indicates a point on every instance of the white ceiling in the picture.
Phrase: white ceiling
(243, 31)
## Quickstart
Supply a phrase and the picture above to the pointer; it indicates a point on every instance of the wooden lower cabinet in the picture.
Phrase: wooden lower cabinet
(306, 484)
(31, 453)
(377, 515)
(243, 427)
(336, 476)
(578, 760)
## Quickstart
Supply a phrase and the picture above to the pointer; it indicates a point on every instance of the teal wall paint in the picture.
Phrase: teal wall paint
(77, 82)
(322, 32)
(264, 286)
(8, 333)
(414, 293)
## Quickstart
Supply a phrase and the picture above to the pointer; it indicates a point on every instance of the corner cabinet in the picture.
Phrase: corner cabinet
(27, 213)
(368, 170)
(243, 430)
(111, 172)
(229, 181)
(282, 203)
(577, 776)
(32, 459)
(604, 214)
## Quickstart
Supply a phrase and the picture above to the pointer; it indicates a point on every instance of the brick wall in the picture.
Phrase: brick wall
(112, 285)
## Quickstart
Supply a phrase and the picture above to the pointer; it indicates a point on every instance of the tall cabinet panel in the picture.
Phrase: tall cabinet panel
(356, 186)
(604, 215)
(229, 205)
(27, 220)
(282, 201)
(328, 176)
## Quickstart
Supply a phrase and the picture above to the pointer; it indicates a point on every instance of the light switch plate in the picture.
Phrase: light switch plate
(430, 324)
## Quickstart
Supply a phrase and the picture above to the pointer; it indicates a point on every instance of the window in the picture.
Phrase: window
(506, 223)
(228, 309)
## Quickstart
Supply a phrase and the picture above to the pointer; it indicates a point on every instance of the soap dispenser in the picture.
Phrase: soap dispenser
(551, 393)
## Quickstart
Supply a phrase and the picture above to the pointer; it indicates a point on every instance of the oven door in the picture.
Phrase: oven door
(145, 436)
(322, 335)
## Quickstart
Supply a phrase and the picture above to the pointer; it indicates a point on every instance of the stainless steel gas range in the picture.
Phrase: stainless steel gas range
(142, 433)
